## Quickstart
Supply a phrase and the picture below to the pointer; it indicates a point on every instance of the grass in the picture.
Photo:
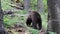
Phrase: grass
(34, 31)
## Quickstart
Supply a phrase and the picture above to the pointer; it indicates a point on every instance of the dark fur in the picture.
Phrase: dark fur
(35, 19)
(29, 20)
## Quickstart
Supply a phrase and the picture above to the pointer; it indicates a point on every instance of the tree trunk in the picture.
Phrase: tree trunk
(54, 20)
(40, 6)
(27, 5)
(1, 21)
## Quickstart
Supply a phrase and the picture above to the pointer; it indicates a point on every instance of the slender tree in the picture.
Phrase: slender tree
(1, 20)
(40, 6)
(54, 16)
(27, 5)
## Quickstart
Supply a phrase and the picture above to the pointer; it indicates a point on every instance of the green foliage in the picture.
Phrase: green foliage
(45, 6)
(34, 4)
(5, 5)
(52, 33)
(34, 31)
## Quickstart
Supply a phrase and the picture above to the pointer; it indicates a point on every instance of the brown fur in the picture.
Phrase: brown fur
(34, 18)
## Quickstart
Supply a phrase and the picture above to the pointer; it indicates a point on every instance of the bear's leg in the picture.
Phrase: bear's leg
(28, 22)
(40, 25)
(34, 25)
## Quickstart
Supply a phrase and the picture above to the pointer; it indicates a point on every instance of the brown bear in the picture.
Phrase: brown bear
(34, 18)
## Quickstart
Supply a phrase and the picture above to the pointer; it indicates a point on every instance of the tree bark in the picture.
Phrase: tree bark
(27, 5)
(54, 13)
(40, 6)
(1, 20)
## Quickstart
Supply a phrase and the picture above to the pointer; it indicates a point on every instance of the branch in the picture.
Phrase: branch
(18, 7)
